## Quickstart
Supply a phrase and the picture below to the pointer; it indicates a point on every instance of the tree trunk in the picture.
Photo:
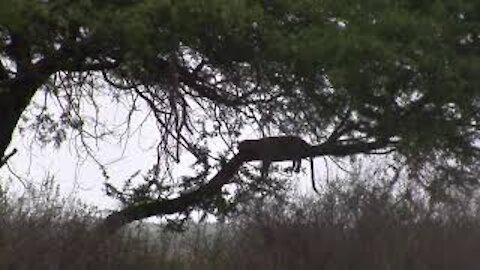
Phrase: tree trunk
(13, 101)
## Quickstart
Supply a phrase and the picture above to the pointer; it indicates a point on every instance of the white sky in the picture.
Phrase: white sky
(79, 176)
(82, 178)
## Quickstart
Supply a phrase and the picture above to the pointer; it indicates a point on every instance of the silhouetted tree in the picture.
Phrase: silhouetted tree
(371, 77)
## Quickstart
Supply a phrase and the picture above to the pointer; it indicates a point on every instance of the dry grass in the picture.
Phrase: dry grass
(363, 229)
(371, 239)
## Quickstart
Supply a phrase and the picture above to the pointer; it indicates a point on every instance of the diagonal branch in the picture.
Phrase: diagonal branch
(188, 200)
(3, 160)
(203, 89)
(164, 207)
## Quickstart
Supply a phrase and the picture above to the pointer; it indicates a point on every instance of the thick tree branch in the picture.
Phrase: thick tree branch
(164, 207)
(200, 86)
(194, 82)
(16, 94)
(188, 200)
(345, 149)
(13, 100)
(81, 66)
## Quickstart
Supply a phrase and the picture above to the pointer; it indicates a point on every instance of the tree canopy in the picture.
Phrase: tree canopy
(369, 77)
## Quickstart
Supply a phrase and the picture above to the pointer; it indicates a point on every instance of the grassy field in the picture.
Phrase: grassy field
(359, 229)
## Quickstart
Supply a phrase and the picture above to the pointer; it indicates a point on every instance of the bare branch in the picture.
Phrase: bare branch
(5, 159)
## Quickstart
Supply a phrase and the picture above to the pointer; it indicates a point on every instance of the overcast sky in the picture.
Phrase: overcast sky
(77, 175)
(83, 178)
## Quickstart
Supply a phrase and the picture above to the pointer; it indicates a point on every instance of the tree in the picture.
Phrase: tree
(373, 77)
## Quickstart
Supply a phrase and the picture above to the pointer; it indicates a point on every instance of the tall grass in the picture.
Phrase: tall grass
(362, 227)
(367, 230)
